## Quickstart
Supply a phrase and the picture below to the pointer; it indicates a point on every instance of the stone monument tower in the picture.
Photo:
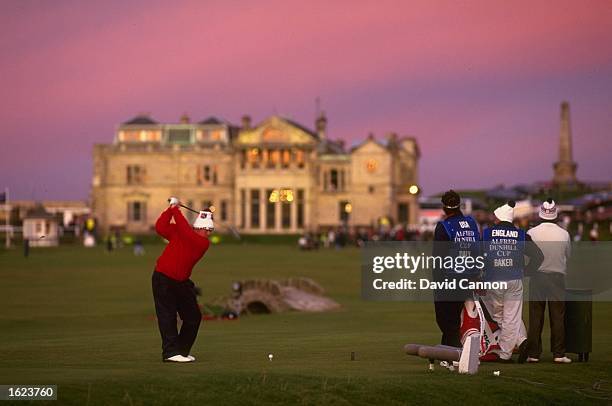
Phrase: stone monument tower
(565, 167)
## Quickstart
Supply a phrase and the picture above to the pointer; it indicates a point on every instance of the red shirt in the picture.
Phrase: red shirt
(185, 247)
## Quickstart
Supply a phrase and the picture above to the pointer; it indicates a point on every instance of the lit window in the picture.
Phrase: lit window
(275, 156)
(153, 136)
(266, 157)
(371, 165)
(253, 157)
(286, 158)
(285, 195)
(130, 136)
(273, 196)
(299, 158)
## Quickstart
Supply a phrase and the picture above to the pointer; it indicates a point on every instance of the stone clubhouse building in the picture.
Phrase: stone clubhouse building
(275, 177)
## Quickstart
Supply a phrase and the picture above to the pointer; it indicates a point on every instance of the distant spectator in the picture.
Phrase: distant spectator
(138, 248)
(579, 232)
(399, 233)
(117, 242)
(302, 242)
(324, 240)
(331, 237)
(594, 233)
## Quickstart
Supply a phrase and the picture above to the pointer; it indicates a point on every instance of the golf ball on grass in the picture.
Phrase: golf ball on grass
(270, 356)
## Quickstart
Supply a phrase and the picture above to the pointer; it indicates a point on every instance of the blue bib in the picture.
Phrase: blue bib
(504, 250)
(464, 239)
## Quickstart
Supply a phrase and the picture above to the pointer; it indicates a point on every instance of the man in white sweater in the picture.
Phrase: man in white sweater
(548, 284)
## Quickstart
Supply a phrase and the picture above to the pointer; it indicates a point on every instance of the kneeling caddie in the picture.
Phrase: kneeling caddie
(506, 247)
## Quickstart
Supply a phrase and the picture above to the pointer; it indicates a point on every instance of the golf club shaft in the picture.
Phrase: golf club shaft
(186, 207)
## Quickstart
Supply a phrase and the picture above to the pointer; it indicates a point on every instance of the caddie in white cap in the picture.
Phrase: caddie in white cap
(548, 285)
(505, 247)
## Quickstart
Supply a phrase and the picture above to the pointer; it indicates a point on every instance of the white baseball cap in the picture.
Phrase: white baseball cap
(204, 221)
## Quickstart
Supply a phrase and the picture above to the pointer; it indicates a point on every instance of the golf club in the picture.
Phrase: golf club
(190, 209)
(232, 229)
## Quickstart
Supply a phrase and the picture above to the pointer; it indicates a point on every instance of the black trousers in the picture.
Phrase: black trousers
(448, 317)
(546, 287)
(172, 297)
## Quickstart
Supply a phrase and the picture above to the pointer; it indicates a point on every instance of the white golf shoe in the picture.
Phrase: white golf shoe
(562, 360)
(191, 357)
(531, 360)
(179, 358)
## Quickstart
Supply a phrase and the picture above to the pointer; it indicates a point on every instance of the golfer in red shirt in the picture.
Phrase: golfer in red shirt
(173, 291)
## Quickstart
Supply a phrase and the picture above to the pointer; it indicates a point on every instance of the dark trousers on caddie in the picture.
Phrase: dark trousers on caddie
(448, 318)
(546, 287)
(172, 297)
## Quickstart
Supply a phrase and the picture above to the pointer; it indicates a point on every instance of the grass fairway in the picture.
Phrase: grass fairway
(83, 319)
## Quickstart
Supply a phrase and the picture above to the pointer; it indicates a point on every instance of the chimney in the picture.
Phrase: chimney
(184, 119)
(246, 122)
(392, 140)
(321, 125)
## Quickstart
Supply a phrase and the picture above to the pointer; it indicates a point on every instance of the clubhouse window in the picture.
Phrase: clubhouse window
(137, 212)
(135, 174)
(255, 208)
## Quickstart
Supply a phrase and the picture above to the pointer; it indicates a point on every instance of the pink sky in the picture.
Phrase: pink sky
(478, 83)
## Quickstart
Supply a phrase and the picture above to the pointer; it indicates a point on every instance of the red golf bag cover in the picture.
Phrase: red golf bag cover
(478, 321)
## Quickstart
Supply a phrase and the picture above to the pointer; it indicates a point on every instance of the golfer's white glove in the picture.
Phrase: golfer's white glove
(174, 201)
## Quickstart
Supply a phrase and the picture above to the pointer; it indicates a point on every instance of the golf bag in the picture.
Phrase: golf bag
(475, 319)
